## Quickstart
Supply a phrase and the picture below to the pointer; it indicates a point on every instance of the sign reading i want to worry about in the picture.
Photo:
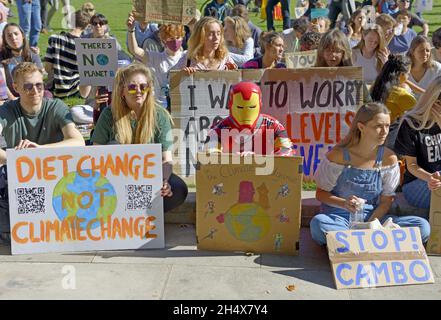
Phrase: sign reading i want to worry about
(164, 11)
(434, 244)
(248, 204)
(302, 59)
(315, 105)
(83, 199)
(378, 258)
(97, 61)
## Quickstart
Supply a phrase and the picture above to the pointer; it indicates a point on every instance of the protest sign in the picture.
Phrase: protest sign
(423, 5)
(240, 209)
(164, 11)
(315, 105)
(434, 244)
(97, 61)
(378, 258)
(82, 199)
(302, 59)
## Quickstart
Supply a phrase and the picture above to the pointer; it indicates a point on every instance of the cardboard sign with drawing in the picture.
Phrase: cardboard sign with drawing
(238, 209)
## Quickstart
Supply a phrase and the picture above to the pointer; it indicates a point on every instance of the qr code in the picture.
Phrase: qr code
(138, 197)
(30, 200)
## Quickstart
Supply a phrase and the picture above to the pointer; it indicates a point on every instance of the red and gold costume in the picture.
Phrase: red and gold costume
(246, 129)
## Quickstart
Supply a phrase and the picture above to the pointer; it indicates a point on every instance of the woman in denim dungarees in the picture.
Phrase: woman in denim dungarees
(360, 167)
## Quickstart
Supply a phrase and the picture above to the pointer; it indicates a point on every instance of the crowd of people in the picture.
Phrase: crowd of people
(398, 122)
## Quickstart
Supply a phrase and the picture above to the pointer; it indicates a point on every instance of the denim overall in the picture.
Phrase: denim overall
(362, 183)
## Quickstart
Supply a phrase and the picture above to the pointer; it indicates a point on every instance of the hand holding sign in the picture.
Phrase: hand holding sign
(131, 21)
(434, 181)
(24, 144)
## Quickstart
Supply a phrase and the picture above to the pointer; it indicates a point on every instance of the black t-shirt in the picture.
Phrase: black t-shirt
(425, 145)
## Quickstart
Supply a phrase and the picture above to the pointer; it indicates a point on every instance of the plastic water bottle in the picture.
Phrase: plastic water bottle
(357, 216)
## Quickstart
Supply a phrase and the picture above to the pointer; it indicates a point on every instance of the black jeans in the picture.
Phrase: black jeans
(339, 6)
(180, 192)
(270, 11)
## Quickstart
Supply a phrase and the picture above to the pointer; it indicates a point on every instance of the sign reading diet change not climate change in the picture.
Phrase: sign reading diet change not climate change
(81, 199)
(97, 61)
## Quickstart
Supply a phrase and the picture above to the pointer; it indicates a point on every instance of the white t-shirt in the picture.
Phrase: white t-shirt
(429, 75)
(240, 56)
(369, 65)
(161, 63)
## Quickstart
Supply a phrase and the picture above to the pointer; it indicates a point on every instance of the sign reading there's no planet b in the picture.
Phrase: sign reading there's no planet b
(97, 61)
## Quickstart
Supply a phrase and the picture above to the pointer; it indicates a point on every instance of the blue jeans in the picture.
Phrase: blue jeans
(323, 223)
(417, 194)
(29, 15)
(270, 11)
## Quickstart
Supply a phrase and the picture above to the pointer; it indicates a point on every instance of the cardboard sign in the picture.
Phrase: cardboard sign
(315, 105)
(97, 61)
(303, 59)
(241, 209)
(371, 15)
(434, 244)
(82, 198)
(423, 5)
(378, 258)
(164, 11)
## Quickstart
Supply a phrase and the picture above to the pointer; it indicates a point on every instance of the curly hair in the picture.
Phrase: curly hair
(389, 76)
(171, 31)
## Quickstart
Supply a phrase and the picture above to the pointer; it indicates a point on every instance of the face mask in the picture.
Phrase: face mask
(174, 45)
(398, 29)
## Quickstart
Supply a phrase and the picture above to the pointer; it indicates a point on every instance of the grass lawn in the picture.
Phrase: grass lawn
(116, 12)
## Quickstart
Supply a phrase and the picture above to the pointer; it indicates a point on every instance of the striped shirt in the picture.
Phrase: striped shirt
(61, 53)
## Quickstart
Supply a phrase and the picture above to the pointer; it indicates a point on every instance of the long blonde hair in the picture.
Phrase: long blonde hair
(334, 39)
(414, 44)
(420, 117)
(122, 114)
(381, 43)
(365, 114)
(241, 30)
(197, 39)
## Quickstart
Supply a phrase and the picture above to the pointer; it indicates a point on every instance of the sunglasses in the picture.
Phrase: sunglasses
(133, 88)
(89, 10)
(28, 87)
(101, 23)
